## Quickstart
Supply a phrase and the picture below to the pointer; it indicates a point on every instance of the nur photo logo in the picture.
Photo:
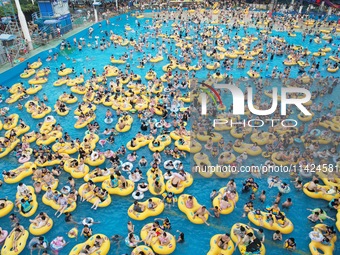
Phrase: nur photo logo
(239, 100)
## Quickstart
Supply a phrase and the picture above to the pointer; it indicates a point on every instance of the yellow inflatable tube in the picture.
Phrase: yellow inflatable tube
(328, 182)
(147, 212)
(34, 203)
(245, 131)
(103, 250)
(15, 88)
(40, 80)
(332, 70)
(40, 231)
(117, 61)
(155, 244)
(245, 147)
(81, 124)
(305, 118)
(320, 194)
(9, 148)
(42, 73)
(92, 176)
(156, 59)
(190, 212)
(65, 72)
(34, 90)
(315, 247)
(27, 73)
(217, 199)
(152, 186)
(7, 209)
(11, 124)
(13, 98)
(138, 144)
(175, 136)
(181, 186)
(99, 161)
(7, 249)
(25, 170)
(18, 130)
(213, 66)
(37, 115)
(46, 127)
(86, 195)
(47, 163)
(164, 142)
(279, 162)
(191, 146)
(60, 82)
(35, 65)
(276, 225)
(73, 171)
(142, 248)
(67, 99)
(253, 74)
(151, 176)
(119, 190)
(266, 138)
(216, 250)
(85, 109)
(151, 75)
(216, 137)
(242, 247)
(51, 137)
(65, 148)
(50, 202)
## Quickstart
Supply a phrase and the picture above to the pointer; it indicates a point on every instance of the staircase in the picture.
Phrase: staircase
(35, 16)
(14, 27)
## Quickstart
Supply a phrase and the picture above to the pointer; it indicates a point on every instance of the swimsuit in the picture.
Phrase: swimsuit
(87, 233)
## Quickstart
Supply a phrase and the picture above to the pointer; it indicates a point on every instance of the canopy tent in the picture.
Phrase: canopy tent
(51, 21)
(7, 37)
(95, 3)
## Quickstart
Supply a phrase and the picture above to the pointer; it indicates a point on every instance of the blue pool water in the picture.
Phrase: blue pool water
(114, 218)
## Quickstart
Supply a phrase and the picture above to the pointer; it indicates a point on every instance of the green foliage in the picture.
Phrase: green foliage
(26, 6)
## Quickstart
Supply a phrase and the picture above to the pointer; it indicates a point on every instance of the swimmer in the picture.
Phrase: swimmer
(200, 213)
(214, 194)
(317, 214)
(290, 244)
(277, 236)
(86, 232)
(216, 211)
(69, 218)
(263, 196)
(130, 227)
(287, 204)
(180, 238)
(169, 199)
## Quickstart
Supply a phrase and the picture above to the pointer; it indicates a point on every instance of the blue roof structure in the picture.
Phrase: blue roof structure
(7, 37)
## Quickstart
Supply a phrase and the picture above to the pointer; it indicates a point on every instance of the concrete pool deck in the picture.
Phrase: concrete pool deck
(51, 44)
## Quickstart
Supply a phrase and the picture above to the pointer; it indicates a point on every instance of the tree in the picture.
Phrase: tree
(26, 5)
